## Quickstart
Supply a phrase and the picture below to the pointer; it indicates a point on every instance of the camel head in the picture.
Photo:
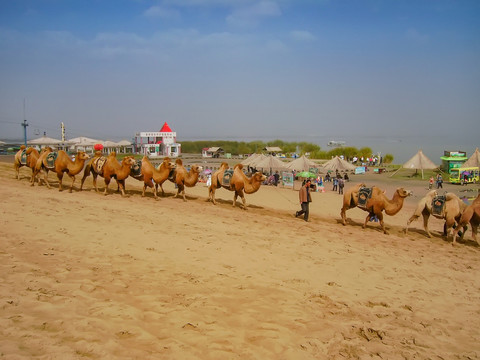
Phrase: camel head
(128, 160)
(82, 155)
(167, 163)
(46, 149)
(179, 162)
(23, 147)
(196, 168)
(224, 165)
(258, 176)
(404, 193)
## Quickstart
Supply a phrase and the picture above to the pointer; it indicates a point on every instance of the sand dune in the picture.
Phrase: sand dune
(104, 277)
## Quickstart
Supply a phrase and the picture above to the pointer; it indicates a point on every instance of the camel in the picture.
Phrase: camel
(182, 177)
(30, 156)
(108, 167)
(375, 205)
(152, 176)
(61, 163)
(471, 215)
(451, 212)
(239, 183)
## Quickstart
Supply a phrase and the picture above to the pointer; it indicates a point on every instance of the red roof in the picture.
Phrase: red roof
(165, 128)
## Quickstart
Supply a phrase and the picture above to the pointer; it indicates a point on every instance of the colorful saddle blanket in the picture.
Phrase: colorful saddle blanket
(23, 157)
(227, 177)
(136, 169)
(50, 160)
(438, 205)
(363, 195)
(98, 164)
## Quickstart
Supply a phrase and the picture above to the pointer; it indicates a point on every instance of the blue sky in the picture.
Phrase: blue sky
(310, 70)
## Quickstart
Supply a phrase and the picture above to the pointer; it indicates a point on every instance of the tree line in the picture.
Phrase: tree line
(300, 148)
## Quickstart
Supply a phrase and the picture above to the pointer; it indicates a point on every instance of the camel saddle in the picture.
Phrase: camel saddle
(227, 176)
(363, 195)
(438, 205)
(50, 159)
(23, 157)
(98, 164)
(136, 169)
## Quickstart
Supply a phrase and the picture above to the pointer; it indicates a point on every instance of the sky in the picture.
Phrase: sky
(380, 73)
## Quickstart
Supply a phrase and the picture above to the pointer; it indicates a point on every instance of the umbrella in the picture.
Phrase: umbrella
(270, 162)
(207, 171)
(306, 174)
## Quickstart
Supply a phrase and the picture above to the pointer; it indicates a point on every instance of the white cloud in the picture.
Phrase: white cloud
(162, 12)
(250, 15)
(302, 35)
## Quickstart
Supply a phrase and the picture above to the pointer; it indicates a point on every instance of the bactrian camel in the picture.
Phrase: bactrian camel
(153, 177)
(239, 183)
(62, 165)
(452, 211)
(109, 167)
(375, 205)
(181, 177)
(31, 158)
(471, 215)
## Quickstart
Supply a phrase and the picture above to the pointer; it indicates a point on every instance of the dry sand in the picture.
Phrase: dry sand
(104, 277)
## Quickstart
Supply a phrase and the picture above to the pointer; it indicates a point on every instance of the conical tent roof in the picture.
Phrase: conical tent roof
(252, 159)
(473, 160)
(419, 161)
(270, 162)
(301, 164)
(337, 164)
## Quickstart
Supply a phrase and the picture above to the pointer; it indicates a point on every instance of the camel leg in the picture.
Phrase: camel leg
(60, 178)
(45, 178)
(343, 215)
(107, 182)
(73, 182)
(211, 194)
(95, 182)
(86, 173)
(448, 228)
(426, 215)
(382, 223)
(412, 218)
(474, 232)
(367, 219)
(121, 186)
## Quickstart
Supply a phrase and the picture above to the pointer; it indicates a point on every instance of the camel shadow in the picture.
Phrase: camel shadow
(238, 204)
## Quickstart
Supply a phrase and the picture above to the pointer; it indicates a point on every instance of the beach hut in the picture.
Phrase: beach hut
(474, 160)
(419, 161)
(302, 164)
(337, 164)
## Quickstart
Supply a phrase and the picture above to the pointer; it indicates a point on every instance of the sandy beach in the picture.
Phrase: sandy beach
(104, 277)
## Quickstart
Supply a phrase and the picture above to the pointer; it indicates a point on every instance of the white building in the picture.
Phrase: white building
(162, 143)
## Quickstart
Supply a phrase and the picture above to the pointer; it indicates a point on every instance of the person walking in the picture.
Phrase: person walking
(335, 183)
(305, 200)
(430, 182)
(341, 184)
(439, 181)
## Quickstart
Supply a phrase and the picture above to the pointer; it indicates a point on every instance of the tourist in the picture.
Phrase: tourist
(305, 199)
(430, 182)
(439, 181)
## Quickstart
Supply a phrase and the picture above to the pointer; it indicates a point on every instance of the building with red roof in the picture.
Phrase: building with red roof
(158, 144)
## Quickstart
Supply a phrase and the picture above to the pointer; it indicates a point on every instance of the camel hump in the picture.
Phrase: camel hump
(239, 166)
(23, 147)
(113, 154)
(179, 162)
